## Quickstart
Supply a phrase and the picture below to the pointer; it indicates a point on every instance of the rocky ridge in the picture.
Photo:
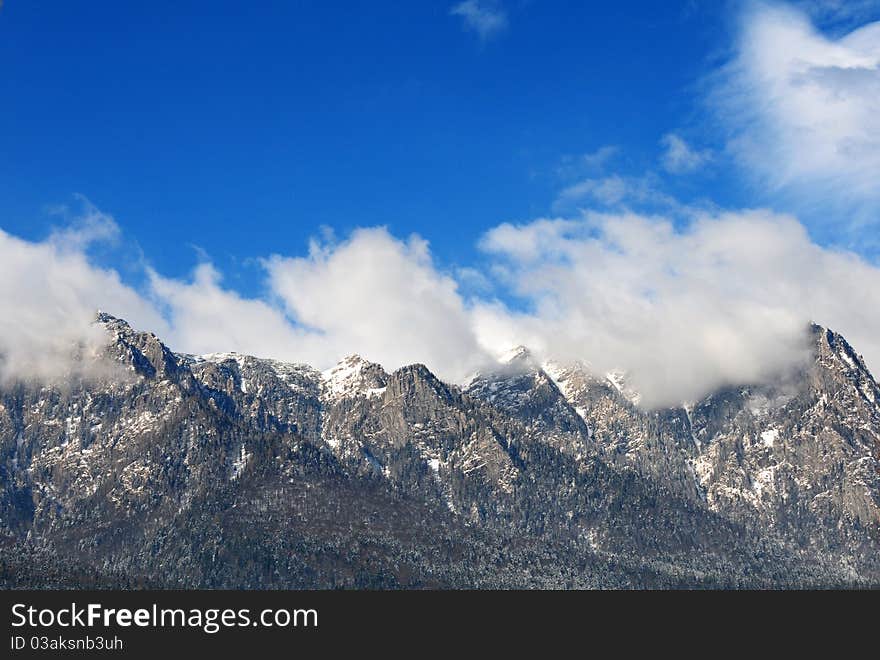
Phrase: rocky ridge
(230, 470)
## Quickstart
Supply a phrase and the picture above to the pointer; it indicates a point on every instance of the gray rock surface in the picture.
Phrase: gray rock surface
(226, 470)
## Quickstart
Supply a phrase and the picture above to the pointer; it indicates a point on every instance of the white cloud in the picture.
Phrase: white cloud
(803, 112)
(530, 242)
(612, 191)
(85, 227)
(372, 294)
(207, 318)
(606, 190)
(598, 158)
(484, 17)
(723, 301)
(679, 157)
(380, 297)
(49, 293)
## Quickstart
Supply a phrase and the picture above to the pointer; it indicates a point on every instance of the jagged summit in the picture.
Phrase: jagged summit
(351, 476)
(517, 355)
(111, 322)
(839, 346)
(355, 375)
(221, 356)
(104, 317)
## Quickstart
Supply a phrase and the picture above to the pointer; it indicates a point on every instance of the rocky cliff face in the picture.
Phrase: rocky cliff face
(227, 470)
(798, 457)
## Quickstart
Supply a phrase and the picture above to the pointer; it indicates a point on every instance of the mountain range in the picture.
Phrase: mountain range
(168, 470)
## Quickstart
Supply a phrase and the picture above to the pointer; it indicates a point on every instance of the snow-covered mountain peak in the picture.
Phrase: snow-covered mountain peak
(221, 357)
(354, 375)
(113, 325)
(518, 355)
(108, 319)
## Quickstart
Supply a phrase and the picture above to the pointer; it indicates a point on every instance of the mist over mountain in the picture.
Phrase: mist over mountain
(226, 470)
(682, 310)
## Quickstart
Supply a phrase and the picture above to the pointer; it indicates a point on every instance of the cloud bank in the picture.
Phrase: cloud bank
(382, 295)
(724, 299)
(372, 294)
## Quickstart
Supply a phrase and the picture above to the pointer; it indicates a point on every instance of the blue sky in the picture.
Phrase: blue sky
(184, 144)
(243, 127)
